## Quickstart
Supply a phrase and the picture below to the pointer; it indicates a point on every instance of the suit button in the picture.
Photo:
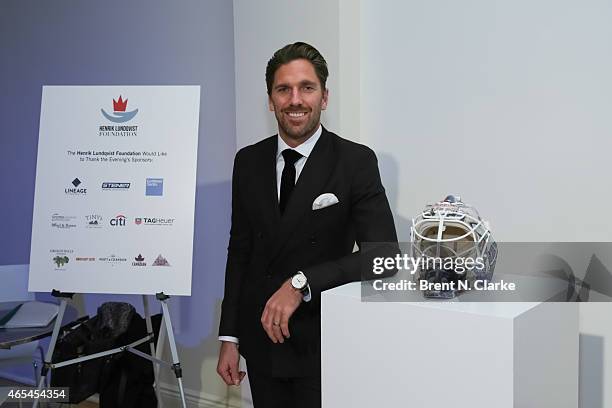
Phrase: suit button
(313, 240)
(269, 275)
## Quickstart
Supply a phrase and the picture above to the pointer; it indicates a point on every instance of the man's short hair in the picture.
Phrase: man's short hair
(295, 51)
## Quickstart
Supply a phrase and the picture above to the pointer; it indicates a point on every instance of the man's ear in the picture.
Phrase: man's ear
(324, 101)
(270, 104)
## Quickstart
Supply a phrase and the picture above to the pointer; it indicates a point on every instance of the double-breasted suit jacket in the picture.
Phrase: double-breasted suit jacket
(266, 249)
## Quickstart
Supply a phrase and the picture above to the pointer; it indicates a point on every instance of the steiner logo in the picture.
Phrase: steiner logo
(119, 114)
(118, 221)
(107, 185)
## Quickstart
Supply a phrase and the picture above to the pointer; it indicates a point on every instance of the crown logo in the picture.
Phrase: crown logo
(119, 105)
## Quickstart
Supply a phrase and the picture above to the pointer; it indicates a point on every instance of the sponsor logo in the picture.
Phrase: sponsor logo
(110, 186)
(63, 221)
(76, 188)
(139, 261)
(155, 187)
(119, 114)
(154, 221)
(160, 261)
(112, 260)
(60, 258)
(93, 221)
(118, 221)
(84, 258)
(60, 261)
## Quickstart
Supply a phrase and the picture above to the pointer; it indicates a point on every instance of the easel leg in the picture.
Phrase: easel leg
(176, 365)
(56, 328)
(161, 339)
(145, 302)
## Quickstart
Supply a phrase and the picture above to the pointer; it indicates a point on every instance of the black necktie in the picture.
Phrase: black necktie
(288, 177)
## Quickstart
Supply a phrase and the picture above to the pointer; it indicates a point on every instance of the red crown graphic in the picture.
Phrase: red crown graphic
(119, 105)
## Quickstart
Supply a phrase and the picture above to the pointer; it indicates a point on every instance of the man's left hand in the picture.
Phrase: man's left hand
(278, 311)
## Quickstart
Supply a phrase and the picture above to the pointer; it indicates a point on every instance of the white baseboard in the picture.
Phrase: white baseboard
(170, 397)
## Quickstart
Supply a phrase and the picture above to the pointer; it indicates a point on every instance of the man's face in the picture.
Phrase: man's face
(297, 100)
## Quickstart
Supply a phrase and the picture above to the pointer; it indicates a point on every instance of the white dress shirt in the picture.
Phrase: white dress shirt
(305, 149)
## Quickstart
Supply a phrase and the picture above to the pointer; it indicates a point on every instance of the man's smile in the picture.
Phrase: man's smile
(296, 114)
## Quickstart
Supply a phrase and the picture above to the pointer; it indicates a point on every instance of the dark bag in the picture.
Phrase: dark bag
(122, 380)
(78, 340)
(127, 380)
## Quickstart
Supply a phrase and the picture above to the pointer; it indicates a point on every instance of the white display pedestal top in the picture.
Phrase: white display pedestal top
(432, 354)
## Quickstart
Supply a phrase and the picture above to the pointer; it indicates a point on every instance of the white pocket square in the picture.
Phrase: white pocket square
(324, 200)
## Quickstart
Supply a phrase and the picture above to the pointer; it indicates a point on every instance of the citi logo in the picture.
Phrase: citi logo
(118, 221)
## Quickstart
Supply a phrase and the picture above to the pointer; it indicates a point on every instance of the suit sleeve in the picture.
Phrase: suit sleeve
(237, 257)
(373, 222)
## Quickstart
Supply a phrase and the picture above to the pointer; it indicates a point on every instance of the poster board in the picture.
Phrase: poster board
(115, 190)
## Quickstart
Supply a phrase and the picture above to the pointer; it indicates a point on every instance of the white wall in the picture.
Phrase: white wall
(262, 27)
(507, 103)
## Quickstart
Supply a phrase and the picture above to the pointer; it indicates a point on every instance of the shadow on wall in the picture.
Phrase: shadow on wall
(591, 371)
(389, 173)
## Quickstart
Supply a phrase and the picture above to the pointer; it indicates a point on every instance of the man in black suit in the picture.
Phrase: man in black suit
(300, 201)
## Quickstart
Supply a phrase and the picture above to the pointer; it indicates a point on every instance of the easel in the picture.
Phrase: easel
(154, 357)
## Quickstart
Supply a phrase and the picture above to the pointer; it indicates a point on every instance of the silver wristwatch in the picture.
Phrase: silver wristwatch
(299, 281)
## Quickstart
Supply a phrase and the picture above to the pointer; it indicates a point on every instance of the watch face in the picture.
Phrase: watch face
(298, 281)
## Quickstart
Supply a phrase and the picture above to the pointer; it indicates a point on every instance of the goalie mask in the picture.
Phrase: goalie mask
(453, 246)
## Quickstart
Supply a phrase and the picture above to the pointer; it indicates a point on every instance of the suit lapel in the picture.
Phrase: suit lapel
(266, 175)
(313, 177)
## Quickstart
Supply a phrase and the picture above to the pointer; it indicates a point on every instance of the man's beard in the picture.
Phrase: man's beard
(302, 132)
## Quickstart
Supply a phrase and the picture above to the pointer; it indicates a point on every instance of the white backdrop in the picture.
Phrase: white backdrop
(115, 189)
(508, 104)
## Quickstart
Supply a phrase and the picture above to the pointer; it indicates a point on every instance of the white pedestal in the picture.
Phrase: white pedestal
(459, 355)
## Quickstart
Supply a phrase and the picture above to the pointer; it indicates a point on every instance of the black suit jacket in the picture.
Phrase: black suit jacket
(266, 249)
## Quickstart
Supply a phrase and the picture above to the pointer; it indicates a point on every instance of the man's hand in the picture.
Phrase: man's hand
(227, 367)
(278, 310)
